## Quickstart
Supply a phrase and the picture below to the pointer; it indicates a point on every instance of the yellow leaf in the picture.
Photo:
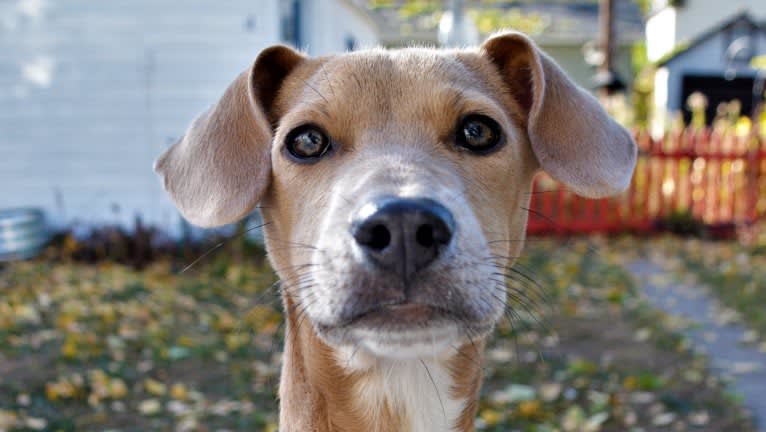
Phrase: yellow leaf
(178, 391)
(530, 409)
(51, 391)
(630, 383)
(69, 349)
(491, 417)
(154, 387)
(117, 388)
(149, 407)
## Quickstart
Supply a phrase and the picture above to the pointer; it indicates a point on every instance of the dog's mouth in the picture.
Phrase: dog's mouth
(403, 329)
(393, 317)
(401, 315)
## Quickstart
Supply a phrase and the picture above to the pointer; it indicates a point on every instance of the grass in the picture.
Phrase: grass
(105, 347)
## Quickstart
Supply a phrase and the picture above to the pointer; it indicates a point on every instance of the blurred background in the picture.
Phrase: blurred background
(643, 312)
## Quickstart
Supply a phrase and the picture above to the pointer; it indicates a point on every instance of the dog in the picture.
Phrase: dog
(394, 185)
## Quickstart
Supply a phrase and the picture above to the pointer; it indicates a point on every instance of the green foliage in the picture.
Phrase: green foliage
(643, 86)
(489, 20)
(645, 6)
(381, 4)
(672, 53)
(416, 8)
(683, 223)
(638, 57)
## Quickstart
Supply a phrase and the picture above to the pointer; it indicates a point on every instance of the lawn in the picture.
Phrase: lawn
(106, 347)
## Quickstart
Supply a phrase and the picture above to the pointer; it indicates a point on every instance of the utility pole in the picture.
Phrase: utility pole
(456, 36)
(606, 44)
(455, 28)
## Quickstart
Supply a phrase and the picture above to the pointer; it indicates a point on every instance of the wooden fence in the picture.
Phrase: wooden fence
(718, 178)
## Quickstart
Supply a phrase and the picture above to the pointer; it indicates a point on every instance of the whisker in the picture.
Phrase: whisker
(353, 353)
(219, 245)
(438, 393)
(538, 192)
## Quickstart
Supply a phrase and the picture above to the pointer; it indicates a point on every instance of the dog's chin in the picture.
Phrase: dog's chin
(401, 332)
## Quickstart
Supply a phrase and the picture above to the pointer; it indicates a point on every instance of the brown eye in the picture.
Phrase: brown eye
(307, 142)
(478, 133)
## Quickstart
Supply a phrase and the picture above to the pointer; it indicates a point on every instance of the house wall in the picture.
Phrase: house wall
(91, 92)
(669, 27)
(697, 16)
(704, 59)
(571, 59)
(660, 34)
(340, 22)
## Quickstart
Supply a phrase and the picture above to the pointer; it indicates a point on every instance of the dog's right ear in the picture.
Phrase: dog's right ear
(218, 171)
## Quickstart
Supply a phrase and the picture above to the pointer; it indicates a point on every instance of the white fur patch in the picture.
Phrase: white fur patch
(419, 390)
(408, 345)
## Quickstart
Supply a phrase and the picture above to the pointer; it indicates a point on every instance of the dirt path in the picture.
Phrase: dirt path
(720, 341)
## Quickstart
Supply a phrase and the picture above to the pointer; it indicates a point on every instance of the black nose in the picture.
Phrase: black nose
(403, 235)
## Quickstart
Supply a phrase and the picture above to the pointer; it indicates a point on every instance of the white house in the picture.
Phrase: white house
(705, 46)
(677, 22)
(91, 92)
(329, 26)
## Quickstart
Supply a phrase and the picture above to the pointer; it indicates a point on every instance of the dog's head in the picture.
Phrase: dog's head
(394, 183)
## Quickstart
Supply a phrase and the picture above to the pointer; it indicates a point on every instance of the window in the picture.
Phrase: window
(291, 22)
(350, 43)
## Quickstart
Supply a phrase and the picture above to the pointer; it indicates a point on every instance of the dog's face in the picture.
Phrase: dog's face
(394, 183)
(393, 205)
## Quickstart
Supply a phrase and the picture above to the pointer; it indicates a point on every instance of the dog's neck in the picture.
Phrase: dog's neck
(327, 390)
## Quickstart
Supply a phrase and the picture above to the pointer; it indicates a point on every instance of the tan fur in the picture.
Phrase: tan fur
(314, 385)
(465, 368)
(391, 115)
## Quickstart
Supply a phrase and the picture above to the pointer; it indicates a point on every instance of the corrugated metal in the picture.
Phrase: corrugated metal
(22, 233)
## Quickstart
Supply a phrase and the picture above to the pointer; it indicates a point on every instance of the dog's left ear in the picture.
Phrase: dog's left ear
(572, 136)
(218, 171)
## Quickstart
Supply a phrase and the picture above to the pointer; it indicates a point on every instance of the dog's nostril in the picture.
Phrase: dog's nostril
(403, 235)
(380, 237)
(425, 235)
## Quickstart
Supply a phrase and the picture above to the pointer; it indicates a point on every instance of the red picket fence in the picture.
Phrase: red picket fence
(718, 178)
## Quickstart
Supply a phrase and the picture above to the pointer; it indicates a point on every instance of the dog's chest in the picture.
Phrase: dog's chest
(418, 392)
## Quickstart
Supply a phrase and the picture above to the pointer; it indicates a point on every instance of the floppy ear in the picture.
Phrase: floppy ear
(218, 171)
(572, 136)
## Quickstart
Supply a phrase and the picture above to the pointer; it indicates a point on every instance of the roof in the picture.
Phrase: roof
(685, 47)
(554, 22)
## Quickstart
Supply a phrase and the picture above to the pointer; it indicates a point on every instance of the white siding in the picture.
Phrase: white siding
(339, 22)
(660, 34)
(661, 94)
(704, 59)
(92, 91)
(697, 16)
(669, 26)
